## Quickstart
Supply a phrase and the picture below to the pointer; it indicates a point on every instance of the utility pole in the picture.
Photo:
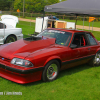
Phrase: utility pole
(23, 7)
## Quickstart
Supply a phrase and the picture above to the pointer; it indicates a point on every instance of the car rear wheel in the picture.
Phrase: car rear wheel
(10, 39)
(96, 60)
(51, 71)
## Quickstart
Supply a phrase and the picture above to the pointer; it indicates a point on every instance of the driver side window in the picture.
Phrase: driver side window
(79, 40)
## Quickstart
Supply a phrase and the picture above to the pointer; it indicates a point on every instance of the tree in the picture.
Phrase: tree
(49, 2)
(6, 4)
(18, 4)
(33, 5)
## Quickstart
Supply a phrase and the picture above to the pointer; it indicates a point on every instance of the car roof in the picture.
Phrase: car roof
(68, 30)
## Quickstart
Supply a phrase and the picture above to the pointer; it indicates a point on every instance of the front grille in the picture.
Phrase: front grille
(5, 59)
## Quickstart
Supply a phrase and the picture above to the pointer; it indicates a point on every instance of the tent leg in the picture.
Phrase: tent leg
(76, 22)
(92, 25)
(83, 23)
(89, 26)
(43, 21)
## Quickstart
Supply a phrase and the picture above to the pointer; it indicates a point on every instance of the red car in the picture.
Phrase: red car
(43, 56)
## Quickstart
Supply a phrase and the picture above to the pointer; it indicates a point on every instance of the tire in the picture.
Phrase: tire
(96, 60)
(51, 71)
(10, 39)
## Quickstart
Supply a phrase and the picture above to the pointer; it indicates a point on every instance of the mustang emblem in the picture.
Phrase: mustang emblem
(2, 58)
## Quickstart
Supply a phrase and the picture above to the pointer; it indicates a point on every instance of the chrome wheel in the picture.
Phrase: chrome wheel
(97, 59)
(52, 71)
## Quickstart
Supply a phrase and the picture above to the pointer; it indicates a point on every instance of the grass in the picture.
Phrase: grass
(86, 23)
(33, 18)
(78, 83)
(97, 35)
(27, 27)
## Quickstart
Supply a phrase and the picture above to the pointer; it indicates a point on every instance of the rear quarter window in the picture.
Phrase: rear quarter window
(91, 39)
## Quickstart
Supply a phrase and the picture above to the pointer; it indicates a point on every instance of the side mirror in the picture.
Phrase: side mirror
(72, 46)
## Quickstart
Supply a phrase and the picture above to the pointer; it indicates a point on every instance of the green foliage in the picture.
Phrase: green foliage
(33, 5)
(5, 4)
(29, 5)
(51, 1)
(18, 4)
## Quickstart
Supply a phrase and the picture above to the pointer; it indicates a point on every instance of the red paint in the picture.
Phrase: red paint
(40, 53)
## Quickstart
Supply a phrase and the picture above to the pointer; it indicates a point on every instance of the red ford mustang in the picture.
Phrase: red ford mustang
(43, 56)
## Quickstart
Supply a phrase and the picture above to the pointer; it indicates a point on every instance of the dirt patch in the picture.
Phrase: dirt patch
(87, 28)
(27, 20)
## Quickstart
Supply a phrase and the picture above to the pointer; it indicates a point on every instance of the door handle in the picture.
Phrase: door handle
(89, 48)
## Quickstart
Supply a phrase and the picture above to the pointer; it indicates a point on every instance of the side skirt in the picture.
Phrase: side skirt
(76, 62)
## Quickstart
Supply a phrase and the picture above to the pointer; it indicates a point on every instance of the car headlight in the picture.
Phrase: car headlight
(21, 62)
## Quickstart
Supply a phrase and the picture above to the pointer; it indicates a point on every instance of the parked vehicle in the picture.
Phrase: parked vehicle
(43, 56)
(8, 31)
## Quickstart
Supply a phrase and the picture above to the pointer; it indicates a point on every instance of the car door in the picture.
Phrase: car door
(77, 55)
(82, 48)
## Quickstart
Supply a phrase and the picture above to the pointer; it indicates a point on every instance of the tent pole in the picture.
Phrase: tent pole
(92, 25)
(43, 20)
(83, 23)
(76, 22)
(89, 26)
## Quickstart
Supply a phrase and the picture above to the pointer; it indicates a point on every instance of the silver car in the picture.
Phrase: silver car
(8, 31)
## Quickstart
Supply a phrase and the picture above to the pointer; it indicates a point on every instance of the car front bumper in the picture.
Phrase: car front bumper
(21, 76)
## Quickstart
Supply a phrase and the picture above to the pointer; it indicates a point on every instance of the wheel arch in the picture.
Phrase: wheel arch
(53, 58)
(98, 50)
(9, 36)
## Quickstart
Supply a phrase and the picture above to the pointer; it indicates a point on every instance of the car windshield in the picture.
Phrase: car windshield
(62, 37)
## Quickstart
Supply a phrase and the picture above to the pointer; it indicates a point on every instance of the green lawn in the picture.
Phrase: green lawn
(27, 27)
(86, 23)
(78, 83)
(97, 35)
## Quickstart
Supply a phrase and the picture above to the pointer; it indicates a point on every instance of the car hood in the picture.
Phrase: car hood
(10, 20)
(23, 48)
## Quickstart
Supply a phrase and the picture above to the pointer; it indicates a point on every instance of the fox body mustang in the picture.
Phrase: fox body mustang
(43, 56)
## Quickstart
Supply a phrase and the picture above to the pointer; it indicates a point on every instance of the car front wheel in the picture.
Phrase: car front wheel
(10, 39)
(51, 71)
